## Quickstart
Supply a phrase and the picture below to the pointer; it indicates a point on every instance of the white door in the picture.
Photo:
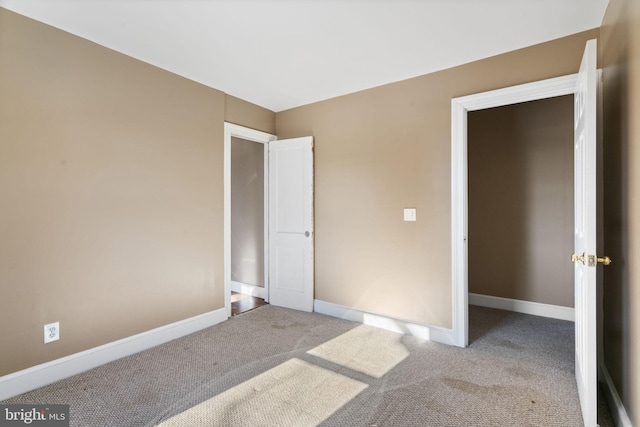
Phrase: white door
(584, 258)
(291, 223)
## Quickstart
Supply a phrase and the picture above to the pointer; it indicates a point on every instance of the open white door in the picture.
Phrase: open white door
(585, 259)
(291, 223)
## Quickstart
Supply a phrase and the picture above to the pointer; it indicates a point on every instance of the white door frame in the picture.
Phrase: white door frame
(459, 192)
(232, 130)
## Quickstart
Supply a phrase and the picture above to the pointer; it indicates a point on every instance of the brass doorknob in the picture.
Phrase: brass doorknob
(593, 260)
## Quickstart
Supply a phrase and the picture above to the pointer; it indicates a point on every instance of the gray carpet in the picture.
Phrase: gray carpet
(278, 367)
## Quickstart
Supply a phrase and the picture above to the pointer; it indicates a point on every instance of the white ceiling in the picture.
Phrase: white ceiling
(282, 54)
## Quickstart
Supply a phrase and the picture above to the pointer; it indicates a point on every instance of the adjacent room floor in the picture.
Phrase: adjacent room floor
(241, 303)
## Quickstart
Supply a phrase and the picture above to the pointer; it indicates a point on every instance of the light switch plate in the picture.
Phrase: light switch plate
(410, 214)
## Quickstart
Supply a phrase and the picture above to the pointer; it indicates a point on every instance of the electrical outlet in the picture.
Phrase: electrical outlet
(51, 332)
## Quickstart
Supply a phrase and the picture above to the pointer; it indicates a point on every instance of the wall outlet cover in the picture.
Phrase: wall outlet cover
(51, 332)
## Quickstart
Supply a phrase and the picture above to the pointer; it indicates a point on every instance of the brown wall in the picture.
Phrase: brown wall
(111, 181)
(634, 206)
(247, 212)
(620, 51)
(387, 148)
(521, 201)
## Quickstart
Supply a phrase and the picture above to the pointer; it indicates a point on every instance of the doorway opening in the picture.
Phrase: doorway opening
(248, 212)
(246, 218)
(520, 163)
(460, 107)
(520, 208)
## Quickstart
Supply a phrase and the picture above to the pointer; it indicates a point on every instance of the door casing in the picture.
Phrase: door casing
(233, 130)
(459, 189)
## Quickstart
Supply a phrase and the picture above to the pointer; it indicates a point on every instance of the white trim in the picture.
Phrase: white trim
(432, 333)
(549, 88)
(459, 229)
(617, 409)
(526, 307)
(600, 216)
(265, 202)
(231, 130)
(459, 202)
(246, 289)
(47, 373)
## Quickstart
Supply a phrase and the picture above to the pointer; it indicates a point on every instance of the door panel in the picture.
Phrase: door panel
(289, 187)
(585, 235)
(290, 267)
(291, 223)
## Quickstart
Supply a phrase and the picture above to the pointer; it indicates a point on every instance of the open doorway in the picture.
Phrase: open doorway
(520, 211)
(520, 224)
(248, 271)
(246, 218)
(460, 107)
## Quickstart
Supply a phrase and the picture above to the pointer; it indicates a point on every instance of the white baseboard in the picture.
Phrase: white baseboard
(432, 333)
(618, 412)
(253, 290)
(526, 307)
(40, 375)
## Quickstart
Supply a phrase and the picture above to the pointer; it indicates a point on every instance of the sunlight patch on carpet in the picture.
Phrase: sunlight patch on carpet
(294, 393)
(364, 349)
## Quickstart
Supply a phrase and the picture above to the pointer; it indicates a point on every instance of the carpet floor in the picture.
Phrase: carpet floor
(277, 367)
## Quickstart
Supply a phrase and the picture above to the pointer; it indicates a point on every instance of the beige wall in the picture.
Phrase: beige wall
(111, 181)
(243, 113)
(521, 201)
(247, 212)
(620, 51)
(387, 148)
